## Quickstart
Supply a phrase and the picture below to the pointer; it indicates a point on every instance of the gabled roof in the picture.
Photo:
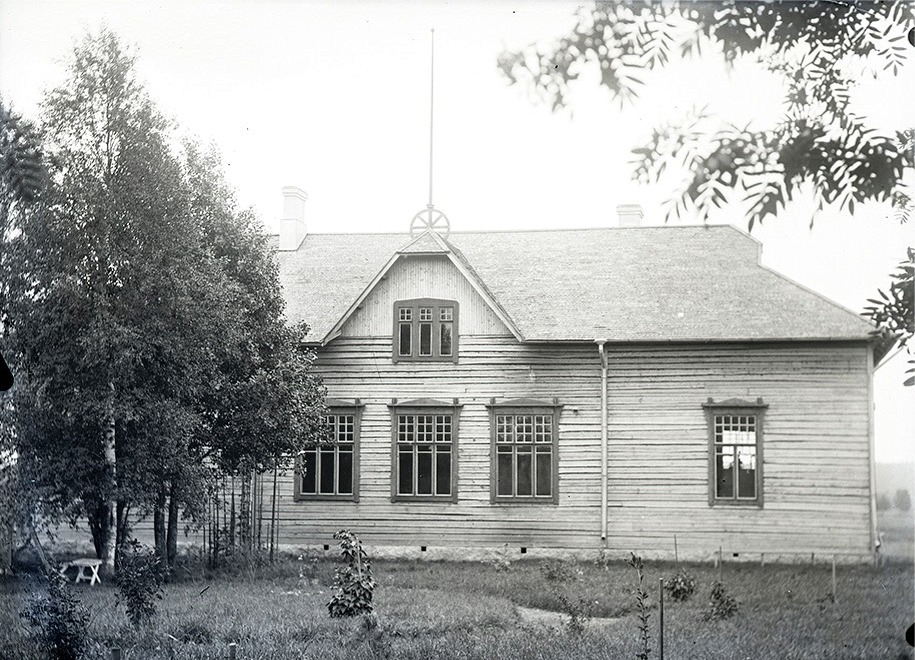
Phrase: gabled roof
(635, 284)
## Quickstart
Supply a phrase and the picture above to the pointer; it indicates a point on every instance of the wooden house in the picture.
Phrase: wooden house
(571, 390)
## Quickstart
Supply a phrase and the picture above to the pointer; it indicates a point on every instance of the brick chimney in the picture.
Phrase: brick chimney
(292, 224)
(630, 215)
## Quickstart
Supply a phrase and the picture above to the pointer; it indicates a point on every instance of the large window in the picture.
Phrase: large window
(426, 330)
(735, 451)
(330, 470)
(525, 451)
(424, 451)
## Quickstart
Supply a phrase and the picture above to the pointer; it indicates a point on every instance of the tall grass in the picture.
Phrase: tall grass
(469, 611)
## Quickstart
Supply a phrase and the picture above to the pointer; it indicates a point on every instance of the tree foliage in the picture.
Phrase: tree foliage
(817, 49)
(145, 319)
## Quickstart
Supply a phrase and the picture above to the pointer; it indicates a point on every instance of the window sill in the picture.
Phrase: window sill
(753, 504)
(435, 499)
(524, 500)
(325, 498)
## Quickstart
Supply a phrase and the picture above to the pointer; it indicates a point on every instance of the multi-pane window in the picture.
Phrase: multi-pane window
(329, 470)
(525, 446)
(735, 454)
(424, 455)
(425, 330)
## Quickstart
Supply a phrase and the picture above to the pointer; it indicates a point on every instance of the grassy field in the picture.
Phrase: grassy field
(473, 610)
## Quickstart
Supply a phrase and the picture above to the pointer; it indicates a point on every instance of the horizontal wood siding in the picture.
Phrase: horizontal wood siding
(816, 474)
(816, 470)
(422, 277)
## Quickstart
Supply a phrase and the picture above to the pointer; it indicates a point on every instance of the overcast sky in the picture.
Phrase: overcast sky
(334, 98)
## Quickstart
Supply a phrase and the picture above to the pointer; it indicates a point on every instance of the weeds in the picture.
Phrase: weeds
(579, 612)
(353, 583)
(643, 607)
(60, 620)
(555, 570)
(501, 559)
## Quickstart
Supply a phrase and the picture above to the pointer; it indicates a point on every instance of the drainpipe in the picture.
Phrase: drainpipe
(603, 439)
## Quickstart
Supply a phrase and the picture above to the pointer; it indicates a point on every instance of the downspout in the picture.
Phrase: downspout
(603, 439)
(875, 534)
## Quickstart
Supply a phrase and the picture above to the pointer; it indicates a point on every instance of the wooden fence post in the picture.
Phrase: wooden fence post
(116, 653)
(661, 616)
(676, 553)
(720, 562)
(232, 651)
(835, 598)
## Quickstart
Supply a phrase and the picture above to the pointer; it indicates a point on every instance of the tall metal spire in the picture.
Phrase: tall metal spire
(430, 218)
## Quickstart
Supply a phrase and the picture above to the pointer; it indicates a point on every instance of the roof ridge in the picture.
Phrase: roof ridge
(536, 231)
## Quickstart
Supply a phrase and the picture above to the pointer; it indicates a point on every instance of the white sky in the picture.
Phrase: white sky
(334, 98)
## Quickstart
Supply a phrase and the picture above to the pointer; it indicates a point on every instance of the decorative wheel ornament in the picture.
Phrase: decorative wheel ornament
(430, 219)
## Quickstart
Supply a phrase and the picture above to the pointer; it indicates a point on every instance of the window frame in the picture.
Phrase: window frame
(524, 407)
(424, 407)
(740, 408)
(414, 304)
(334, 407)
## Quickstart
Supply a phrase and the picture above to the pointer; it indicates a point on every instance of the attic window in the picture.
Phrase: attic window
(425, 330)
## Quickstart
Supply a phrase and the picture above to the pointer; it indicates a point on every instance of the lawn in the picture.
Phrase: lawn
(482, 610)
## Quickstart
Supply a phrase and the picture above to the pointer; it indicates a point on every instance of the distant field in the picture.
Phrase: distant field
(897, 532)
(475, 610)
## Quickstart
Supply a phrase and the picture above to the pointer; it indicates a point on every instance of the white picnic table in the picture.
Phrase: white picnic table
(86, 570)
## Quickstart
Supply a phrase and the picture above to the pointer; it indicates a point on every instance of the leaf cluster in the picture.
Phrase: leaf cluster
(722, 605)
(817, 49)
(894, 312)
(354, 585)
(139, 582)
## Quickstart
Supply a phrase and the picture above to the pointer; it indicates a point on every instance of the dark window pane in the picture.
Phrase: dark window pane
(425, 339)
(405, 472)
(309, 472)
(424, 473)
(443, 473)
(724, 472)
(525, 476)
(504, 469)
(445, 346)
(327, 472)
(405, 344)
(345, 486)
(746, 472)
(544, 473)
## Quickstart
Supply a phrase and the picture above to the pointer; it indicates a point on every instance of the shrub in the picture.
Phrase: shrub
(60, 619)
(555, 570)
(139, 581)
(579, 612)
(681, 586)
(603, 560)
(883, 502)
(902, 500)
(722, 605)
(353, 583)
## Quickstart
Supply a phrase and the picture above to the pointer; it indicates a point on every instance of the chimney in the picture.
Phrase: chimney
(630, 215)
(292, 224)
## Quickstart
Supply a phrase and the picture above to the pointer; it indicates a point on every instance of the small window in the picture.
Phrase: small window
(425, 330)
(424, 454)
(330, 471)
(525, 448)
(735, 452)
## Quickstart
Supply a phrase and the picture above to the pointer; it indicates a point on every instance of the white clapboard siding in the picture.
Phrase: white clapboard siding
(816, 457)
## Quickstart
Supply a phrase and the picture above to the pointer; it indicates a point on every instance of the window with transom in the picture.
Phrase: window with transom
(735, 452)
(424, 453)
(425, 330)
(330, 470)
(525, 447)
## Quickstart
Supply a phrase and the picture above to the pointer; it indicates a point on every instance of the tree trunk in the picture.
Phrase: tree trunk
(97, 515)
(159, 526)
(111, 465)
(122, 530)
(172, 535)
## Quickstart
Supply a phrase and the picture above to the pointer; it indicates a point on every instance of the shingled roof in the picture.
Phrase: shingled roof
(639, 284)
